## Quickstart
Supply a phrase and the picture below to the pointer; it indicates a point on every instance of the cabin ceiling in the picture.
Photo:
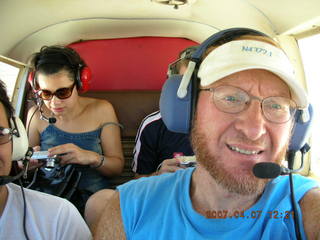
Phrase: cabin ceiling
(29, 24)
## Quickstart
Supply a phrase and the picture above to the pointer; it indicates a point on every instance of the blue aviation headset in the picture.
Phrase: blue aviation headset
(180, 92)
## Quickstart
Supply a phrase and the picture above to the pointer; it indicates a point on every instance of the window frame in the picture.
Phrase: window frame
(17, 99)
(314, 154)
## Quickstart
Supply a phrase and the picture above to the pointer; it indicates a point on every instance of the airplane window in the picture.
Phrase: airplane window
(310, 53)
(9, 74)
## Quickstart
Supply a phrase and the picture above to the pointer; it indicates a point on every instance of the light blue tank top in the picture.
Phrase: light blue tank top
(91, 179)
(160, 207)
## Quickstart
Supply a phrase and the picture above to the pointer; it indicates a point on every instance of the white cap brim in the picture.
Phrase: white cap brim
(240, 55)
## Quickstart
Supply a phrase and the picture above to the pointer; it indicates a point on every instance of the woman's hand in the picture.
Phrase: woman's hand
(72, 154)
(33, 163)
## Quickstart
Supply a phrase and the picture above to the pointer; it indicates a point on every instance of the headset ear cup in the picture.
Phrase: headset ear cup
(175, 112)
(85, 78)
(19, 144)
(301, 130)
(31, 78)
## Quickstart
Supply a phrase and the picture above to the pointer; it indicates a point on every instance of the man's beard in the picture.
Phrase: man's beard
(244, 183)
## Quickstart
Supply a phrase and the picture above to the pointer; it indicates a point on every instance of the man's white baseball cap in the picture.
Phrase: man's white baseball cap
(239, 55)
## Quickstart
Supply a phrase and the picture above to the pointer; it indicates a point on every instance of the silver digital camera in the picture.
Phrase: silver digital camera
(49, 162)
(187, 161)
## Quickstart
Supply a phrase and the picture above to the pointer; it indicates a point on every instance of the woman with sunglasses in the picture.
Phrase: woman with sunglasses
(83, 132)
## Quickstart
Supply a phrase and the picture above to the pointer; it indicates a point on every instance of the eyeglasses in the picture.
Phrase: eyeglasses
(5, 135)
(61, 93)
(230, 99)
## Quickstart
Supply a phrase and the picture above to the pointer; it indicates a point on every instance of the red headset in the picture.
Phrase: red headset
(83, 76)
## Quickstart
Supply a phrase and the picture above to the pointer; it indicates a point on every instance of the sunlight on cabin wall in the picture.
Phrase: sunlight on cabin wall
(310, 53)
(9, 74)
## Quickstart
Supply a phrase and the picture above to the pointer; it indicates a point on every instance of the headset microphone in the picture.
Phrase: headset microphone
(50, 120)
(270, 170)
(7, 179)
(298, 143)
(273, 170)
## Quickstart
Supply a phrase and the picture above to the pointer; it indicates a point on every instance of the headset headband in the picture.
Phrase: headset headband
(60, 56)
(179, 94)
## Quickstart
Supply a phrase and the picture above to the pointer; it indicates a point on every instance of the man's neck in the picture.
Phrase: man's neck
(207, 195)
(3, 198)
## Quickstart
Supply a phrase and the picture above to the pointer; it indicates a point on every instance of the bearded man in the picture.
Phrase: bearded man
(247, 98)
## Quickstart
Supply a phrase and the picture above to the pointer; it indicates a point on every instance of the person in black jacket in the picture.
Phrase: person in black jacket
(157, 149)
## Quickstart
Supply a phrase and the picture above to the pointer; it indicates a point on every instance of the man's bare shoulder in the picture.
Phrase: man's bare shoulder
(110, 225)
(310, 206)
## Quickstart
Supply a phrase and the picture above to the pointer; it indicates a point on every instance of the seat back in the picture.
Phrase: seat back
(129, 73)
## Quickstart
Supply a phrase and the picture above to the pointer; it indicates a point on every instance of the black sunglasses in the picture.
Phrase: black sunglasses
(61, 93)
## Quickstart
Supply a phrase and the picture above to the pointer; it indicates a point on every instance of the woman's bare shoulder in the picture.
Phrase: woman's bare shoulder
(98, 106)
(97, 103)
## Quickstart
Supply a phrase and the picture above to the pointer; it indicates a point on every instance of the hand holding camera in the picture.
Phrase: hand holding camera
(177, 162)
(187, 161)
(42, 156)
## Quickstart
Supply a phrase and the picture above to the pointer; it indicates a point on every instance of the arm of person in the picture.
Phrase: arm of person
(145, 151)
(33, 120)
(110, 225)
(310, 207)
(33, 132)
(110, 142)
(95, 206)
(167, 166)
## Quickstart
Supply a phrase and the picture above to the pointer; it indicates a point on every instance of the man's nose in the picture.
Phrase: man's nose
(251, 121)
